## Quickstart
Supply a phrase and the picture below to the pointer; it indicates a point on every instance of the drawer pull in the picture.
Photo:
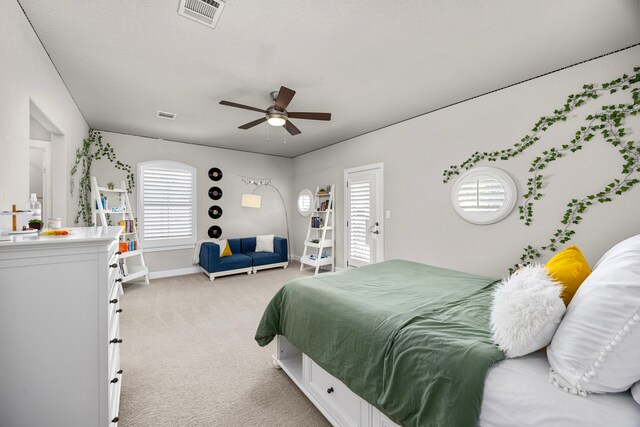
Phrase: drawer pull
(114, 265)
(119, 279)
(113, 381)
(119, 310)
(119, 372)
(119, 253)
(114, 301)
(115, 420)
(115, 341)
(330, 390)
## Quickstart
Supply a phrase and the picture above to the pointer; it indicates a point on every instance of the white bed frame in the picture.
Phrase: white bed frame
(341, 406)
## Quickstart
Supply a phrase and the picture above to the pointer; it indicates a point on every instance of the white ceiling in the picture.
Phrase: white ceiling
(369, 63)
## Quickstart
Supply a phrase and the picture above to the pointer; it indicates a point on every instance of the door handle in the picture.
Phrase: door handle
(375, 232)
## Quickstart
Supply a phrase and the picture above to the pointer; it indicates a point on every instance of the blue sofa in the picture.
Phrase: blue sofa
(245, 259)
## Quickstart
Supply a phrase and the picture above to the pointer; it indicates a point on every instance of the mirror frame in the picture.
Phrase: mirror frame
(305, 192)
(486, 218)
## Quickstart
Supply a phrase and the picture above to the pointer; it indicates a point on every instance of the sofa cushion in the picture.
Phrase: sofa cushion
(248, 244)
(234, 261)
(234, 245)
(264, 258)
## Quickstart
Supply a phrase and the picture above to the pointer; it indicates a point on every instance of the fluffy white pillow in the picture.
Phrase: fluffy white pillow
(264, 243)
(526, 311)
(635, 392)
(596, 349)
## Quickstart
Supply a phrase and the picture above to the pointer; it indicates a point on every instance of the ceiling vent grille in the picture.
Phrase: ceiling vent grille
(166, 115)
(206, 12)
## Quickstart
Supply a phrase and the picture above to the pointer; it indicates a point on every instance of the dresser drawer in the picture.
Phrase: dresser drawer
(113, 304)
(334, 396)
(114, 401)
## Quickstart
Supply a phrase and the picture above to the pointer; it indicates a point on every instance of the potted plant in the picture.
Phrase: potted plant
(110, 185)
(35, 224)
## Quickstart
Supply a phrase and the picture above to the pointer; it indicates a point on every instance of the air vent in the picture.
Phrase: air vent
(206, 12)
(165, 115)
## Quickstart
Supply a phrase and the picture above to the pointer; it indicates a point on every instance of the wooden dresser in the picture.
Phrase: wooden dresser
(59, 330)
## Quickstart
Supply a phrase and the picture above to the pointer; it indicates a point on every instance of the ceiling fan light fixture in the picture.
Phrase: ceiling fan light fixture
(276, 121)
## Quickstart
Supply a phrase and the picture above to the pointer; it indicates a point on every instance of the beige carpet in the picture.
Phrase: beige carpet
(189, 357)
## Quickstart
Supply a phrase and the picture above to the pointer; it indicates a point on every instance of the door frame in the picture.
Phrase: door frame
(380, 192)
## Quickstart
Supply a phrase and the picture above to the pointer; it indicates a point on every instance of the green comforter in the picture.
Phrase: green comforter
(411, 339)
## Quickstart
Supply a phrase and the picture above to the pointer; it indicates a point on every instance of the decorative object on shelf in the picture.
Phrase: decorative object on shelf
(484, 195)
(215, 174)
(215, 212)
(14, 213)
(35, 224)
(255, 201)
(93, 149)
(608, 121)
(110, 185)
(320, 240)
(54, 223)
(215, 232)
(304, 203)
(128, 241)
(215, 193)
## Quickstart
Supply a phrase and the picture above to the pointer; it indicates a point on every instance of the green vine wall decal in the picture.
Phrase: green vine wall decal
(94, 149)
(608, 122)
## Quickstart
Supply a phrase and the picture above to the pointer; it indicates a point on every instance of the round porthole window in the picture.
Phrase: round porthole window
(484, 195)
(305, 202)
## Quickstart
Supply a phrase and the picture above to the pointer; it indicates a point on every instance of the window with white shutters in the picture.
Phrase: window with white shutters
(481, 195)
(359, 216)
(166, 203)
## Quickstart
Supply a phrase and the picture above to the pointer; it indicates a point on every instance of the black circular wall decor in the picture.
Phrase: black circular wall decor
(215, 231)
(215, 193)
(215, 211)
(215, 174)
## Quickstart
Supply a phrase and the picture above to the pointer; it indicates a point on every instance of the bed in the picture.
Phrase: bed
(402, 343)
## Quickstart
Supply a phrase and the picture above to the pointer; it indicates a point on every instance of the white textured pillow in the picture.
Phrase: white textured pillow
(635, 392)
(596, 349)
(264, 243)
(222, 243)
(526, 311)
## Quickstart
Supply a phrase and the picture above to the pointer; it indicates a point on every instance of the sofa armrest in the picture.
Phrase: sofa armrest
(280, 247)
(210, 256)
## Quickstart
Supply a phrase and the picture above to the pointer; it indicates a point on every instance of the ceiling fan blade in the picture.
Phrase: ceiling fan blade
(252, 124)
(291, 128)
(244, 107)
(285, 95)
(310, 116)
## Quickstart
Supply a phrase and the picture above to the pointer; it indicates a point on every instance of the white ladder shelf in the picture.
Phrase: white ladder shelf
(320, 252)
(98, 211)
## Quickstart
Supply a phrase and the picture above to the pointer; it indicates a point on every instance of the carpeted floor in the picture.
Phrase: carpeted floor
(189, 357)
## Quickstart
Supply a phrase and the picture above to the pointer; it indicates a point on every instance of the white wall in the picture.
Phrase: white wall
(423, 225)
(236, 221)
(28, 74)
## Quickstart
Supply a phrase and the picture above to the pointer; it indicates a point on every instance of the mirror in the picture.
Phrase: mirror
(484, 195)
(305, 202)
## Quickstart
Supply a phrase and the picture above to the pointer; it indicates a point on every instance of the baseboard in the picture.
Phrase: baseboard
(296, 258)
(174, 272)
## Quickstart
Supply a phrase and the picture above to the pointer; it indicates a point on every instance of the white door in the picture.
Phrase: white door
(364, 227)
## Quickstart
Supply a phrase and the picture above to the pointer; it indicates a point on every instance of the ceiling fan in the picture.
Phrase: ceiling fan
(277, 114)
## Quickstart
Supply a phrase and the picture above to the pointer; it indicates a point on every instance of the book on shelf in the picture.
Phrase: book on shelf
(127, 226)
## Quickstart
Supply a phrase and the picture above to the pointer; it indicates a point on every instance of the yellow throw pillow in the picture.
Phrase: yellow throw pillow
(226, 251)
(570, 268)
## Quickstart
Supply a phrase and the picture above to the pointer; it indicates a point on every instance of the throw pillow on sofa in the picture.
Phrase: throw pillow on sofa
(264, 243)
(225, 250)
(596, 347)
(570, 268)
(526, 311)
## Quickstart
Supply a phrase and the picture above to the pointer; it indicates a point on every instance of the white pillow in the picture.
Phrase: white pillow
(264, 243)
(635, 392)
(222, 243)
(596, 349)
(526, 311)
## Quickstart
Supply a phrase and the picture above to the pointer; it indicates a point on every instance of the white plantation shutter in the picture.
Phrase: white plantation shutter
(359, 216)
(481, 195)
(166, 200)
